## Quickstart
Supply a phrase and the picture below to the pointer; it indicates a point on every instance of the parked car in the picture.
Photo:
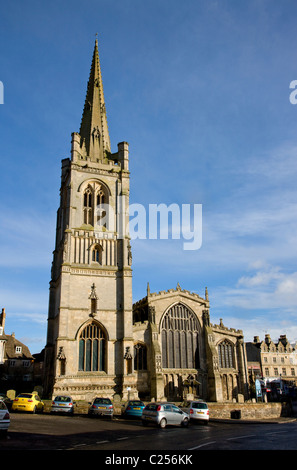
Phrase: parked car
(7, 401)
(28, 402)
(133, 408)
(163, 414)
(197, 410)
(101, 407)
(63, 404)
(4, 418)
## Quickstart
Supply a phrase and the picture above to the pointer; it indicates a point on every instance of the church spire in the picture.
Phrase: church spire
(93, 128)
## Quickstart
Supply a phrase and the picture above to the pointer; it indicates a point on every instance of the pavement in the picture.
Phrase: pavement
(280, 420)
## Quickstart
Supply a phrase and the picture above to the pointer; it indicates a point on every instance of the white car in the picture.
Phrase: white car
(197, 410)
(4, 418)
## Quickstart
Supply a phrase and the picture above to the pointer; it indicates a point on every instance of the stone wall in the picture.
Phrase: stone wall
(247, 410)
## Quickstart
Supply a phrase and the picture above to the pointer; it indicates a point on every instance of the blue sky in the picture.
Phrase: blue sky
(200, 90)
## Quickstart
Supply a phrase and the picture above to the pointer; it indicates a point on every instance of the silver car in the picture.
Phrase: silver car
(63, 404)
(163, 414)
(197, 410)
(101, 407)
(4, 418)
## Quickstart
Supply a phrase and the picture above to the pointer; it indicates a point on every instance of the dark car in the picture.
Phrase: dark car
(101, 407)
(133, 408)
(6, 400)
(63, 404)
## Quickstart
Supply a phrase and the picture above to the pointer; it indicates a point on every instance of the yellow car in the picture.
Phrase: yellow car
(28, 402)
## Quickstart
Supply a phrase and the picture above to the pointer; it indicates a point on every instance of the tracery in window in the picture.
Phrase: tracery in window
(140, 357)
(225, 350)
(88, 206)
(180, 339)
(92, 349)
(95, 200)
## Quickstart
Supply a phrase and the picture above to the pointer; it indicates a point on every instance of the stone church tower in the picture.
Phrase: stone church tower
(98, 344)
(89, 338)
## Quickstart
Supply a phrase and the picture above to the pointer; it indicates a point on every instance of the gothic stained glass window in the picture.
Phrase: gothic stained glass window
(92, 349)
(180, 339)
(225, 351)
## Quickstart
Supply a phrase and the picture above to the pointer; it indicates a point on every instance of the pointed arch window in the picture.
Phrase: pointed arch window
(92, 349)
(140, 357)
(101, 200)
(225, 351)
(180, 339)
(97, 254)
(88, 206)
(95, 201)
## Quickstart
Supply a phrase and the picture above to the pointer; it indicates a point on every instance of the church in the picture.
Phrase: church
(163, 347)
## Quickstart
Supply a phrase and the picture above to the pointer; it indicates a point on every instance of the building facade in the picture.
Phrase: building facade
(272, 361)
(98, 343)
(16, 361)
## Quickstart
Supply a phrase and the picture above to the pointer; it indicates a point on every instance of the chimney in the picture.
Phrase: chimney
(2, 318)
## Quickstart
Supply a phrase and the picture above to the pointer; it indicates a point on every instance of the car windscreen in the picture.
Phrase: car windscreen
(200, 406)
(151, 407)
(63, 399)
(103, 401)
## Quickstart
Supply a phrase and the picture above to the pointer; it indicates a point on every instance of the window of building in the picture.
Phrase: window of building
(283, 371)
(275, 371)
(140, 357)
(92, 349)
(18, 349)
(97, 254)
(180, 338)
(88, 206)
(266, 371)
(225, 350)
(292, 371)
(95, 199)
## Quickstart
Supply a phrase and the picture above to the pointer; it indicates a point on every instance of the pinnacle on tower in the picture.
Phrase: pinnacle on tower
(94, 130)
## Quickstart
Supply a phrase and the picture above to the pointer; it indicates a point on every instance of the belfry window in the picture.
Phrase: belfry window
(180, 339)
(88, 206)
(95, 199)
(92, 349)
(225, 351)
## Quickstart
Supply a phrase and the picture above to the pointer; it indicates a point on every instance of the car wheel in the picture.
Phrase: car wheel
(163, 423)
(185, 423)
